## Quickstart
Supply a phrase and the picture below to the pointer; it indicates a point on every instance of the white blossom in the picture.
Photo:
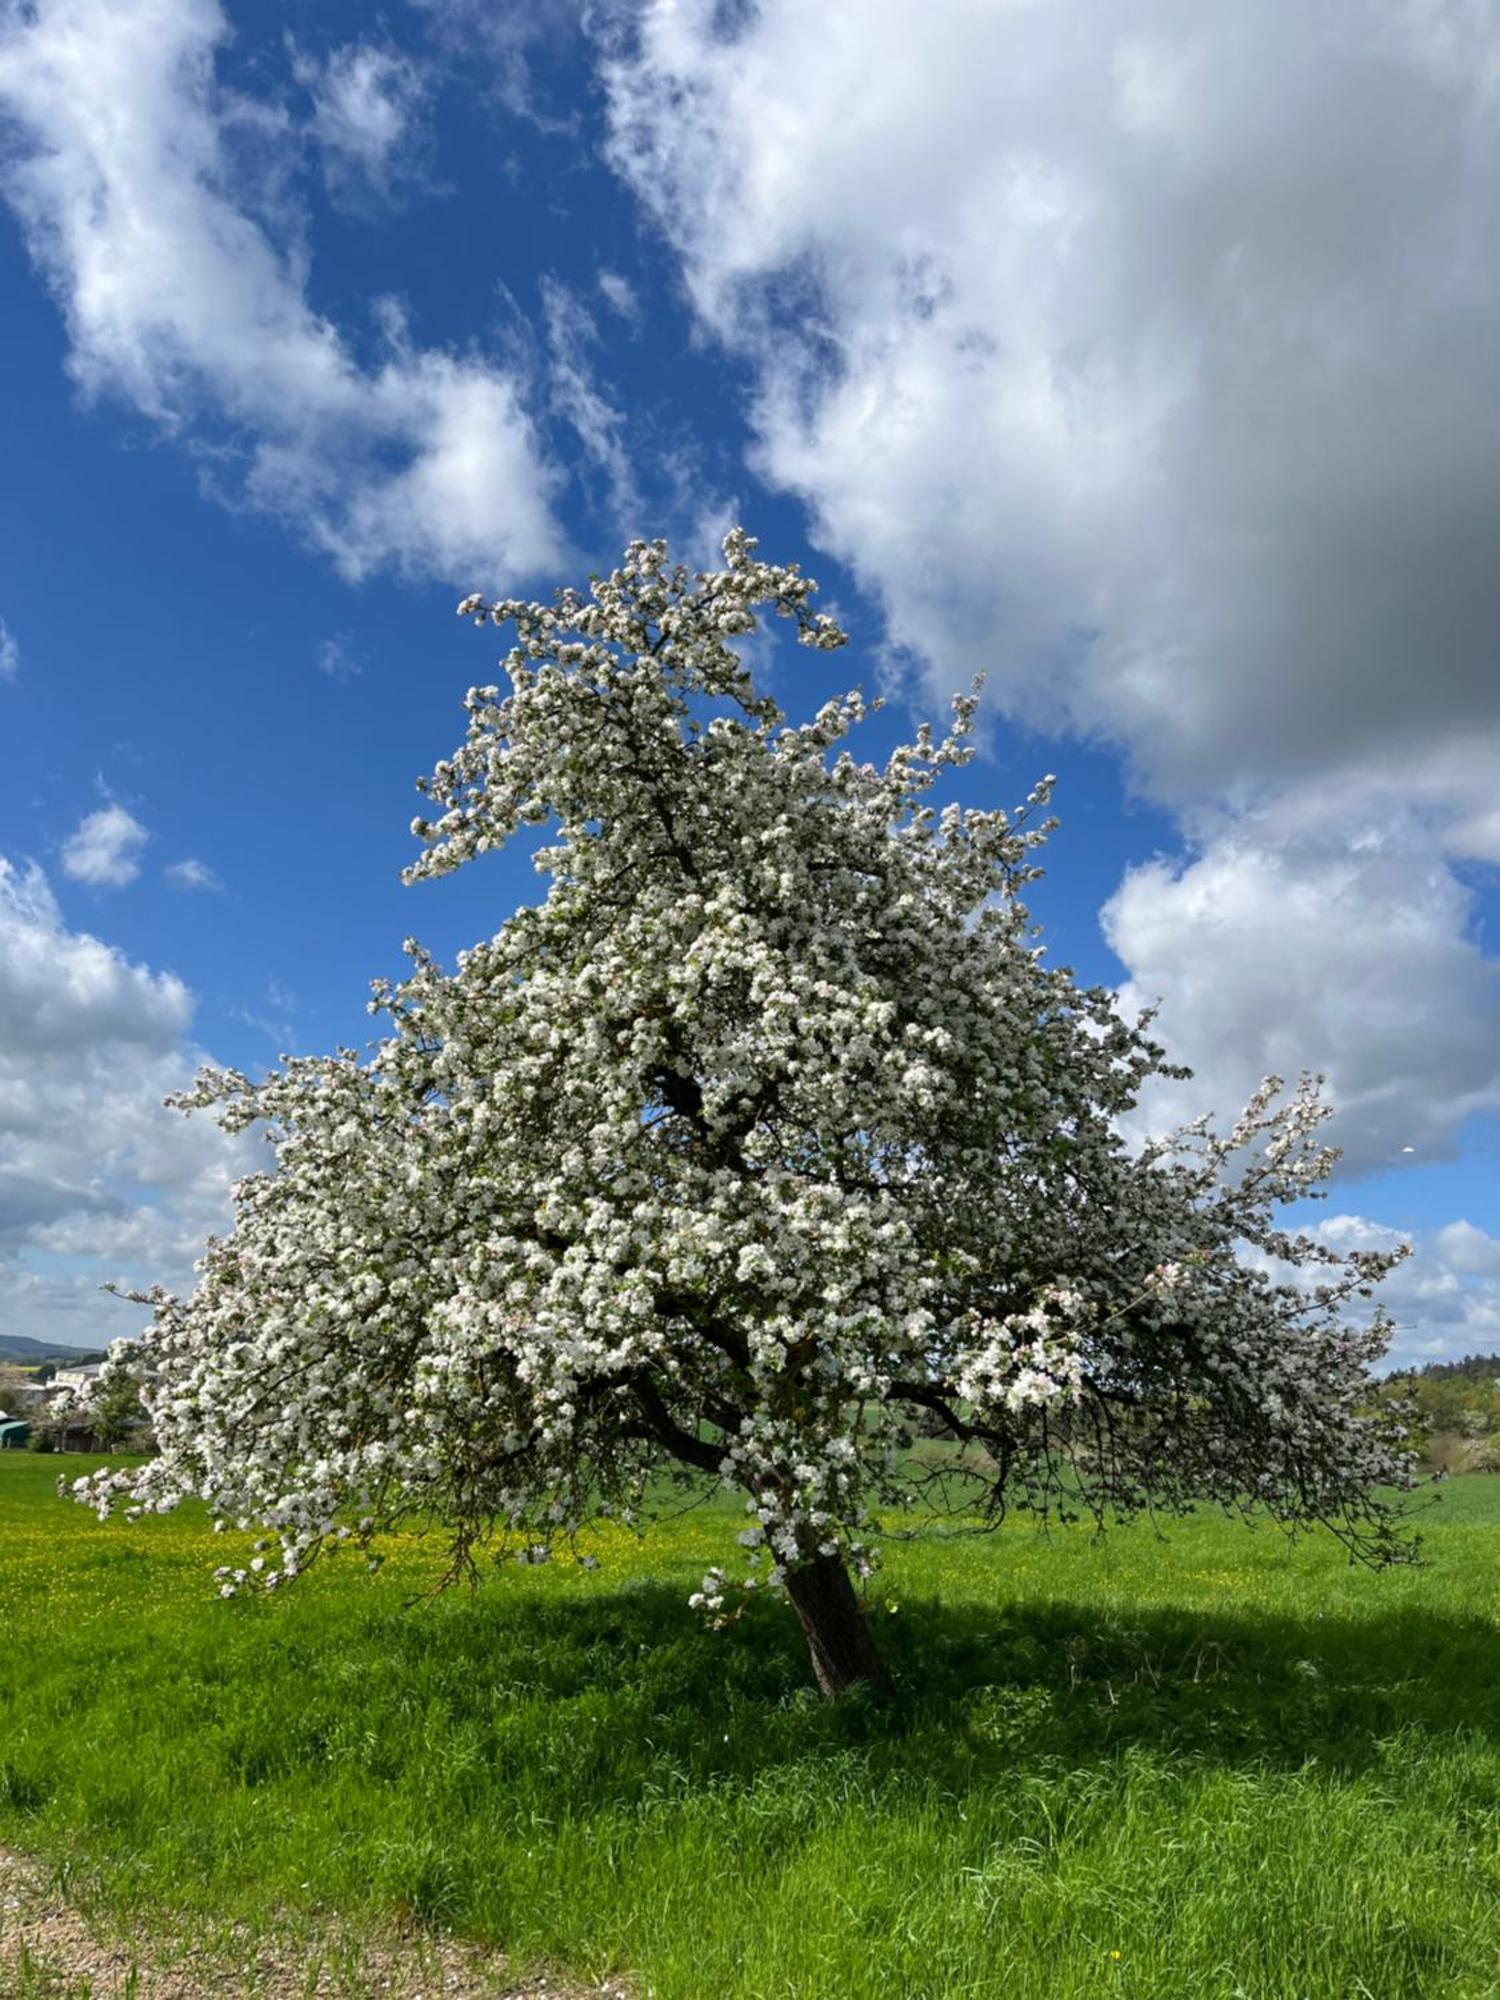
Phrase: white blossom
(764, 1133)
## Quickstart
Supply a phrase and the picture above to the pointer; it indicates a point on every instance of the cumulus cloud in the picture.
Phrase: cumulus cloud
(1468, 1250)
(1443, 1301)
(104, 850)
(1333, 944)
(97, 1180)
(10, 653)
(60, 989)
(181, 305)
(1148, 362)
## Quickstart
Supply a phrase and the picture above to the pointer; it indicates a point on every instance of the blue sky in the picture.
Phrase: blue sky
(1151, 370)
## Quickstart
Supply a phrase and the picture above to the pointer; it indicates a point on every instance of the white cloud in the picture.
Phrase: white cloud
(1469, 1250)
(1443, 1301)
(97, 1179)
(191, 874)
(366, 101)
(105, 848)
(1332, 943)
(1147, 361)
(180, 304)
(60, 990)
(10, 653)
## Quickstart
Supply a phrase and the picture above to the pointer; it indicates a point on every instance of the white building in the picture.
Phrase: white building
(76, 1378)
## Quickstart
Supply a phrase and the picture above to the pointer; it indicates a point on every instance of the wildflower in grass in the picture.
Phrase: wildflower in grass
(766, 1136)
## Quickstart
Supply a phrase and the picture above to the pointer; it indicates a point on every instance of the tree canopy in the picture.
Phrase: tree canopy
(766, 1137)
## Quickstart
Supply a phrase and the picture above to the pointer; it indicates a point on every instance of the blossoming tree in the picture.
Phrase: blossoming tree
(763, 1139)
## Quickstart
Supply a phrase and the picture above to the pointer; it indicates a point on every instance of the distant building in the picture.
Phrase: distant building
(15, 1434)
(81, 1377)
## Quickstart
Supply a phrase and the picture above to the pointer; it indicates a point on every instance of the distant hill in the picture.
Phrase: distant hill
(18, 1347)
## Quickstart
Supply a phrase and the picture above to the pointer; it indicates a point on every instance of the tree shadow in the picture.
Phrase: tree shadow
(1262, 1688)
(488, 1757)
(976, 1687)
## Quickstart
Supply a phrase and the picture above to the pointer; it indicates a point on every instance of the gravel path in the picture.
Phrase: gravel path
(50, 1950)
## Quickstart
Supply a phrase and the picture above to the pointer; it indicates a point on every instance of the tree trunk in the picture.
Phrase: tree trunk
(838, 1638)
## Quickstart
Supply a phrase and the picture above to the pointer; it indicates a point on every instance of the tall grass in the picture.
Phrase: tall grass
(1211, 1766)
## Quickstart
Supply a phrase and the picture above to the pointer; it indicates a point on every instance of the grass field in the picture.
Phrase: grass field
(1214, 1765)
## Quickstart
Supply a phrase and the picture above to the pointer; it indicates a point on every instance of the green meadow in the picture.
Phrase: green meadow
(1209, 1764)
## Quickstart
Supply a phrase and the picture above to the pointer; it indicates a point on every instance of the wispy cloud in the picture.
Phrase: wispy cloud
(191, 874)
(338, 659)
(579, 400)
(272, 1015)
(367, 101)
(620, 296)
(10, 653)
(511, 46)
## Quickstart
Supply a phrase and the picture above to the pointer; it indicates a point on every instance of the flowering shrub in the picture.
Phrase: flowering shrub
(764, 1134)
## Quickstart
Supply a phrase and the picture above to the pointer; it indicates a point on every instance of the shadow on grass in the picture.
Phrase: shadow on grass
(505, 1761)
(973, 1686)
(1262, 1688)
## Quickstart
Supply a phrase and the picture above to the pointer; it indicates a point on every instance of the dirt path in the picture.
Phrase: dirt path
(50, 1950)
